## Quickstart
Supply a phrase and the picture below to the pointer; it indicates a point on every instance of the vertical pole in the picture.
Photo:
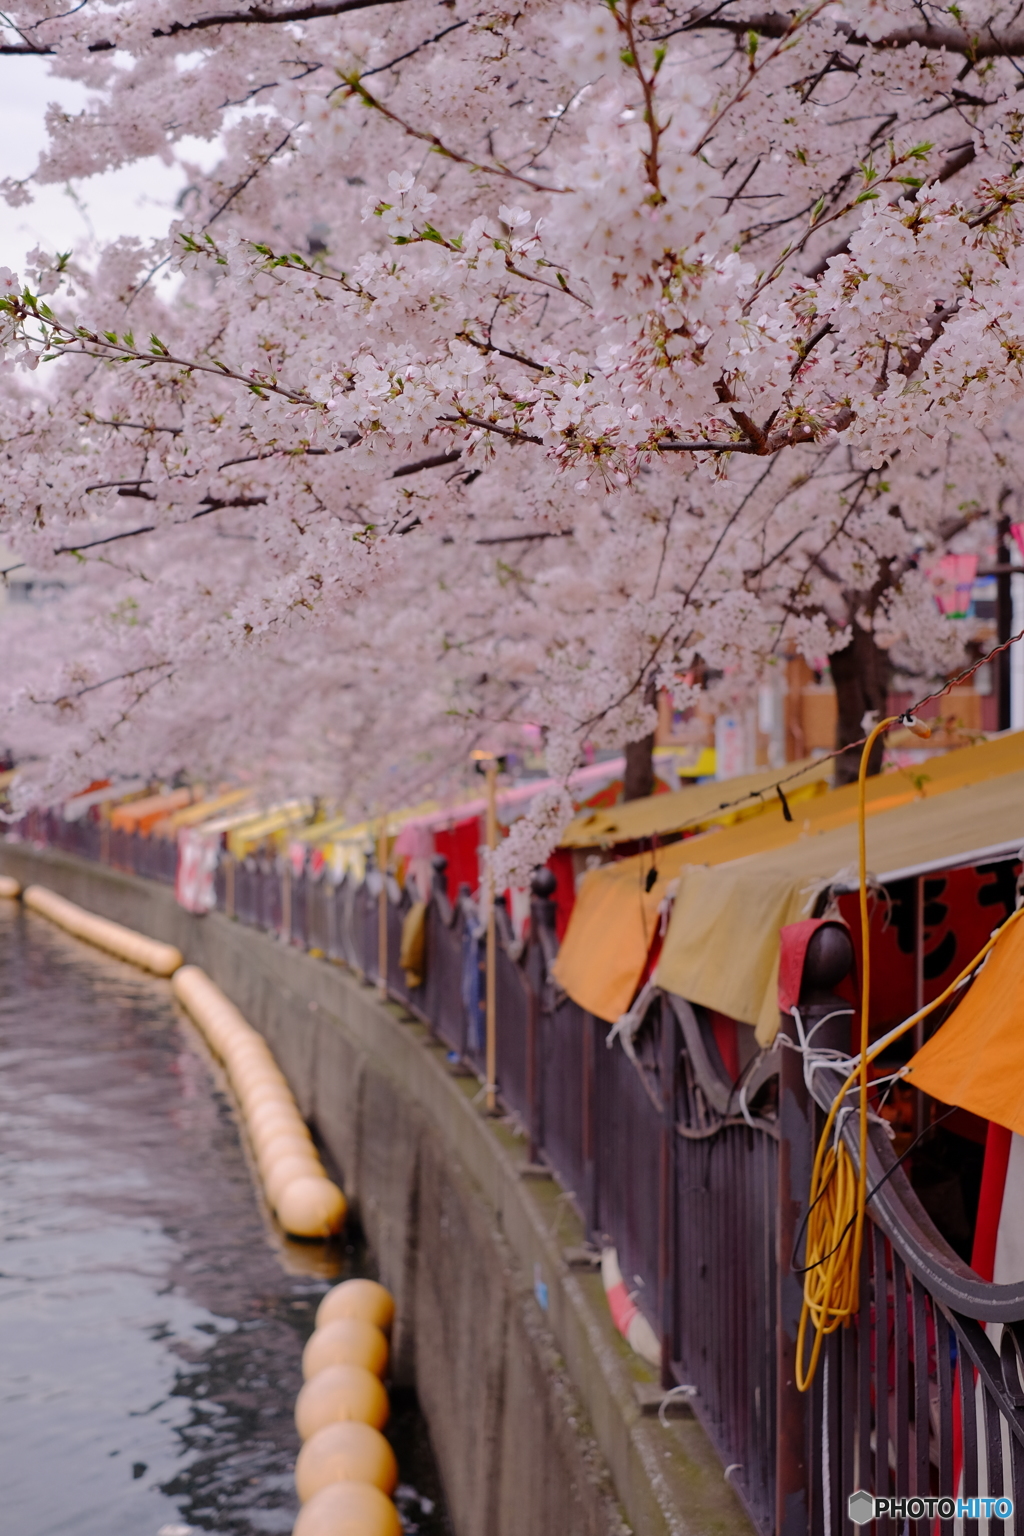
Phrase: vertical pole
(491, 1067)
(492, 940)
(1004, 621)
(229, 885)
(286, 901)
(533, 1010)
(382, 910)
(589, 1066)
(792, 1513)
(667, 1195)
(921, 1103)
(918, 959)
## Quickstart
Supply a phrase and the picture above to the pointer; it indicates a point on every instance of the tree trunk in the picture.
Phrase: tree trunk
(639, 768)
(861, 673)
(639, 776)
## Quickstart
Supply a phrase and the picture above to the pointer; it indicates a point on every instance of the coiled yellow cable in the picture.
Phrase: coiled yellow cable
(838, 1196)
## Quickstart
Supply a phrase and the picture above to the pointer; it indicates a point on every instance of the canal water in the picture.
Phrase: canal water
(152, 1316)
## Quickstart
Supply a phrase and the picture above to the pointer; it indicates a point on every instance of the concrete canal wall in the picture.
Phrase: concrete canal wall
(540, 1416)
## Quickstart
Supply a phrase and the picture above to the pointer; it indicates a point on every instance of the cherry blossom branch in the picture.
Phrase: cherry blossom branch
(353, 82)
(777, 24)
(493, 426)
(77, 340)
(410, 53)
(134, 533)
(120, 677)
(527, 538)
(631, 59)
(794, 24)
(435, 461)
(261, 164)
(255, 15)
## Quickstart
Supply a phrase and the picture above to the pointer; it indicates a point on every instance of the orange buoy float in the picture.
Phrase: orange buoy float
(339, 1394)
(348, 1452)
(283, 1170)
(363, 1299)
(312, 1207)
(345, 1341)
(348, 1509)
(307, 1203)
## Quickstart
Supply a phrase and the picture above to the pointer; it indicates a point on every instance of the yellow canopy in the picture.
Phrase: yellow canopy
(608, 938)
(248, 834)
(700, 805)
(341, 829)
(976, 1060)
(200, 811)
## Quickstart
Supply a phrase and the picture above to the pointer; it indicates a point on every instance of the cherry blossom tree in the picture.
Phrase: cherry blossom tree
(514, 361)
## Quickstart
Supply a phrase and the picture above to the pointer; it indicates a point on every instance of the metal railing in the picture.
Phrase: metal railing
(696, 1192)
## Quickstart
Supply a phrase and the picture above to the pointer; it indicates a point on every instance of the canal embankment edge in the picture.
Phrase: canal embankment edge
(534, 1402)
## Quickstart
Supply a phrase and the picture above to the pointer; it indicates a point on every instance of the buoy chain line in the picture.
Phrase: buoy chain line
(346, 1472)
(124, 943)
(306, 1202)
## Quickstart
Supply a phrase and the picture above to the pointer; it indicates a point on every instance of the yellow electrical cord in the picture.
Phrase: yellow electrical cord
(837, 1200)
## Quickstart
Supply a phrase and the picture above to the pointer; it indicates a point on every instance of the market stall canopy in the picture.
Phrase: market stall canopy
(701, 805)
(272, 825)
(976, 1059)
(608, 940)
(722, 945)
(123, 790)
(142, 815)
(344, 844)
(200, 811)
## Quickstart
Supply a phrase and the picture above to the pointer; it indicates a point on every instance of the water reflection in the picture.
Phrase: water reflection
(152, 1317)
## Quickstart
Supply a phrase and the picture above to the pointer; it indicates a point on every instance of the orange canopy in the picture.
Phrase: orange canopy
(606, 945)
(141, 815)
(976, 1060)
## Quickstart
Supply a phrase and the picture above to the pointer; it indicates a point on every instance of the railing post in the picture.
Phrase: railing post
(791, 1491)
(666, 1192)
(382, 912)
(286, 901)
(542, 941)
(491, 954)
(828, 959)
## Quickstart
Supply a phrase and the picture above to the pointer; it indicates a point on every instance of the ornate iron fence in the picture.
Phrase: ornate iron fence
(922, 1396)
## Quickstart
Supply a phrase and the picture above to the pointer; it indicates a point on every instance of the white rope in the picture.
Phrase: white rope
(685, 1391)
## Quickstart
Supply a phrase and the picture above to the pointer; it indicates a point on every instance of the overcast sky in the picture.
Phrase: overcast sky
(137, 200)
